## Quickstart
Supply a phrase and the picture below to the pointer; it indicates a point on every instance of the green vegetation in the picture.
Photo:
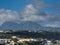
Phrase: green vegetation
(32, 34)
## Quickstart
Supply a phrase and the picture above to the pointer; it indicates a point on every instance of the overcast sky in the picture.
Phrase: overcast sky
(44, 12)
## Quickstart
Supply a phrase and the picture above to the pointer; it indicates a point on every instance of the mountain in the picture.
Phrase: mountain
(9, 26)
(28, 25)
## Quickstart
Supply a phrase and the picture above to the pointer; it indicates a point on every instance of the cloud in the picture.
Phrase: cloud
(32, 14)
(8, 15)
(29, 10)
(52, 24)
(39, 4)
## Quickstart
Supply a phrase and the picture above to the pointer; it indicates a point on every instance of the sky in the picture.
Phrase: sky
(44, 12)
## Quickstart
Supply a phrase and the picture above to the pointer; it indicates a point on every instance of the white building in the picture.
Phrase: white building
(27, 39)
(48, 43)
(12, 43)
(1, 31)
(3, 41)
(14, 36)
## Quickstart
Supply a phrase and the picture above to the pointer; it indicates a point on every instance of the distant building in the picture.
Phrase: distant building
(1, 31)
(48, 43)
(27, 39)
(58, 43)
(14, 36)
(12, 43)
(3, 41)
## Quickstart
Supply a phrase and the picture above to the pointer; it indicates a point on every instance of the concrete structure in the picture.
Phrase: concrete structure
(12, 43)
(1, 31)
(27, 39)
(48, 43)
(3, 41)
(14, 36)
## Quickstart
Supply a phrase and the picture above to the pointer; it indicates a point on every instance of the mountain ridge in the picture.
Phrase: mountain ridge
(28, 25)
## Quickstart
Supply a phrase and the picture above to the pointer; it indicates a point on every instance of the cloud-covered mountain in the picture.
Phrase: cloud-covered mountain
(9, 26)
(46, 13)
(28, 25)
(30, 13)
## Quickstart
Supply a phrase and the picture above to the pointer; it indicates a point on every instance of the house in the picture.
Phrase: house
(12, 43)
(1, 31)
(3, 41)
(14, 36)
(27, 39)
(48, 42)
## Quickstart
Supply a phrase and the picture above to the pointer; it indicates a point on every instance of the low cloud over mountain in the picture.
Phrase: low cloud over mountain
(37, 11)
(29, 25)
